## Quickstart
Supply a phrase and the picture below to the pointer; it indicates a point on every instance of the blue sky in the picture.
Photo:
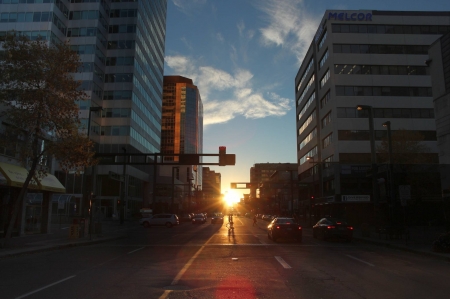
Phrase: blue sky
(243, 55)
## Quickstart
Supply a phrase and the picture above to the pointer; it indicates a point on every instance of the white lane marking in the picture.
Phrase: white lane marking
(357, 259)
(283, 262)
(43, 288)
(135, 250)
(184, 269)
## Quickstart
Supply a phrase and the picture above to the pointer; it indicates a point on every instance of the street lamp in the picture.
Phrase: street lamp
(85, 193)
(311, 160)
(391, 168)
(173, 187)
(373, 156)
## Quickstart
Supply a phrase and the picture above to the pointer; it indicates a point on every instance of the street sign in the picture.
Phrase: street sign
(404, 192)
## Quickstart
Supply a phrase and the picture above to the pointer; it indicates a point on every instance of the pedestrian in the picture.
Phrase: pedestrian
(254, 220)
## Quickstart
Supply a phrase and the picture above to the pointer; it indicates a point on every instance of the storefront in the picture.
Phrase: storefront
(34, 215)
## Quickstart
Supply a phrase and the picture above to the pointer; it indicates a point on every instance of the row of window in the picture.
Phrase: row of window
(84, 15)
(326, 120)
(327, 140)
(355, 69)
(308, 138)
(117, 95)
(363, 135)
(383, 91)
(33, 35)
(311, 153)
(390, 29)
(323, 59)
(322, 40)
(111, 61)
(116, 112)
(121, 44)
(352, 112)
(307, 104)
(309, 120)
(325, 78)
(12, 17)
(123, 13)
(305, 91)
(110, 78)
(380, 49)
(310, 64)
(123, 28)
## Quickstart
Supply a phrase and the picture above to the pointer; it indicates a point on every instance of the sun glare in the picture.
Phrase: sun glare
(231, 197)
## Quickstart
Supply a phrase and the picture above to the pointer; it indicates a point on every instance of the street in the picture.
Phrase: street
(204, 261)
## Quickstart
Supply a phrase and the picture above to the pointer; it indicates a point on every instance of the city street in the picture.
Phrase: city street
(204, 261)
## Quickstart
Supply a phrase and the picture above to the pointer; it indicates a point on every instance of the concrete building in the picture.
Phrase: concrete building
(440, 74)
(375, 60)
(181, 130)
(121, 46)
(210, 196)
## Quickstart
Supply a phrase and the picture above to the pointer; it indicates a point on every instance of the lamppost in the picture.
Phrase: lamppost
(173, 187)
(311, 160)
(391, 170)
(373, 157)
(86, 191)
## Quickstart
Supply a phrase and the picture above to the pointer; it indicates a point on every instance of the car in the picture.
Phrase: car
(167, 220)
(198, 218)
(217, 218)
(328, 227)
(266, 217)
(284, 227)
(186, 218)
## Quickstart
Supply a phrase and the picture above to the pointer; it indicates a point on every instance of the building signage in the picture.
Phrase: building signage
(355, 198)
(349, 16)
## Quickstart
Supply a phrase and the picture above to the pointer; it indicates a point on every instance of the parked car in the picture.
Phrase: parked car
(284, 227)
(198, 218)
(266, 217)
(328, 227)
(168, 220)
(217, 218)
(186, 218)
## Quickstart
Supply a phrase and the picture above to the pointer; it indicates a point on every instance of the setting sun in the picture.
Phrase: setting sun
(231, 197)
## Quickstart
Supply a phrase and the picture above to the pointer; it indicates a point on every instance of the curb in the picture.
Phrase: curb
(44, 248)
(403, 248)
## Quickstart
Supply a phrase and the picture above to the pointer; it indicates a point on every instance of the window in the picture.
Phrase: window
(323, 59)
(311, 153)
(322, 40)
(309, 120)
(308, 86)
(325, 78)
(325, 99)
(327, 162)
(327, 140)
(326, 120)
(307, 105)
(304, 74)
(398, 91)
(308, 138)
(380, 49)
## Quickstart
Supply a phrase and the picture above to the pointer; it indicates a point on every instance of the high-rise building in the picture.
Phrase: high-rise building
(375, 60)
(121, 46)
(211, 197)
(181, 127)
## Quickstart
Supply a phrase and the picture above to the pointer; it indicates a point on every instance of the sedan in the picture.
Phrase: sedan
(217, 218)
(329, 227)
(283, 227)
(198, 218)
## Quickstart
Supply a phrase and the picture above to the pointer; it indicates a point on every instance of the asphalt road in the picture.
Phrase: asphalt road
(204, 261)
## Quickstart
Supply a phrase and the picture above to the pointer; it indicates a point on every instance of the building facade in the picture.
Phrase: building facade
(121, 45)
(181, 128)
(440, 73)
(375, 60)
(210, 197)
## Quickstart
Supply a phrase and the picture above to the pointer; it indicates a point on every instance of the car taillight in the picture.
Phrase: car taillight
(299, 227)
(350, 227)
(331, 226)
(278, 227)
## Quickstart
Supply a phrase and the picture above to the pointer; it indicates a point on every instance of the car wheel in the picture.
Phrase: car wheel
(146, 224)
(168, 224)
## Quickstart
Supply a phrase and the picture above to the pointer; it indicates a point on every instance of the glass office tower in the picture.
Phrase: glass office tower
(121, 44)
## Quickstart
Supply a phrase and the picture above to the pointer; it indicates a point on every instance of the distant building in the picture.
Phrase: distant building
(182, 129)
(211, 196)
(375, 59)
(440, 76)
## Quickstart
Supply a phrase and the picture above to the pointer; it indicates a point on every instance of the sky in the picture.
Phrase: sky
(243, 55)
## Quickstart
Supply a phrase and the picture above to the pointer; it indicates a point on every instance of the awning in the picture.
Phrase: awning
(51, 183)
(16, 175)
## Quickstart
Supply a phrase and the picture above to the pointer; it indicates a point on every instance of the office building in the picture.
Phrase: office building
(375, 60)
(439, 63)
(210, 197)
(181, 129)
(121, 46)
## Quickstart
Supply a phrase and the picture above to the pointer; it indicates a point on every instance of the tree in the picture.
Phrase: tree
(38, 98)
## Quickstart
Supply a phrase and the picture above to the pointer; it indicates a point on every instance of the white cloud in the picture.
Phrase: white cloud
(226, 95)
(290, 25)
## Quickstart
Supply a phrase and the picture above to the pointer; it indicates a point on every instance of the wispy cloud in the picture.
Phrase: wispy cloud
(227, 95)
(290, 25)
(188, 7)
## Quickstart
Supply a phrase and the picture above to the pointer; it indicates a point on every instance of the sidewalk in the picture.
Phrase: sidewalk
(420, 241)
(58, 238)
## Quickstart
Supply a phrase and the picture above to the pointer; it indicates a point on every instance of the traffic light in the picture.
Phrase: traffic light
(222, 155)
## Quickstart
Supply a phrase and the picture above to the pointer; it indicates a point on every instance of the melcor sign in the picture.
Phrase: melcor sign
(347, 16)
